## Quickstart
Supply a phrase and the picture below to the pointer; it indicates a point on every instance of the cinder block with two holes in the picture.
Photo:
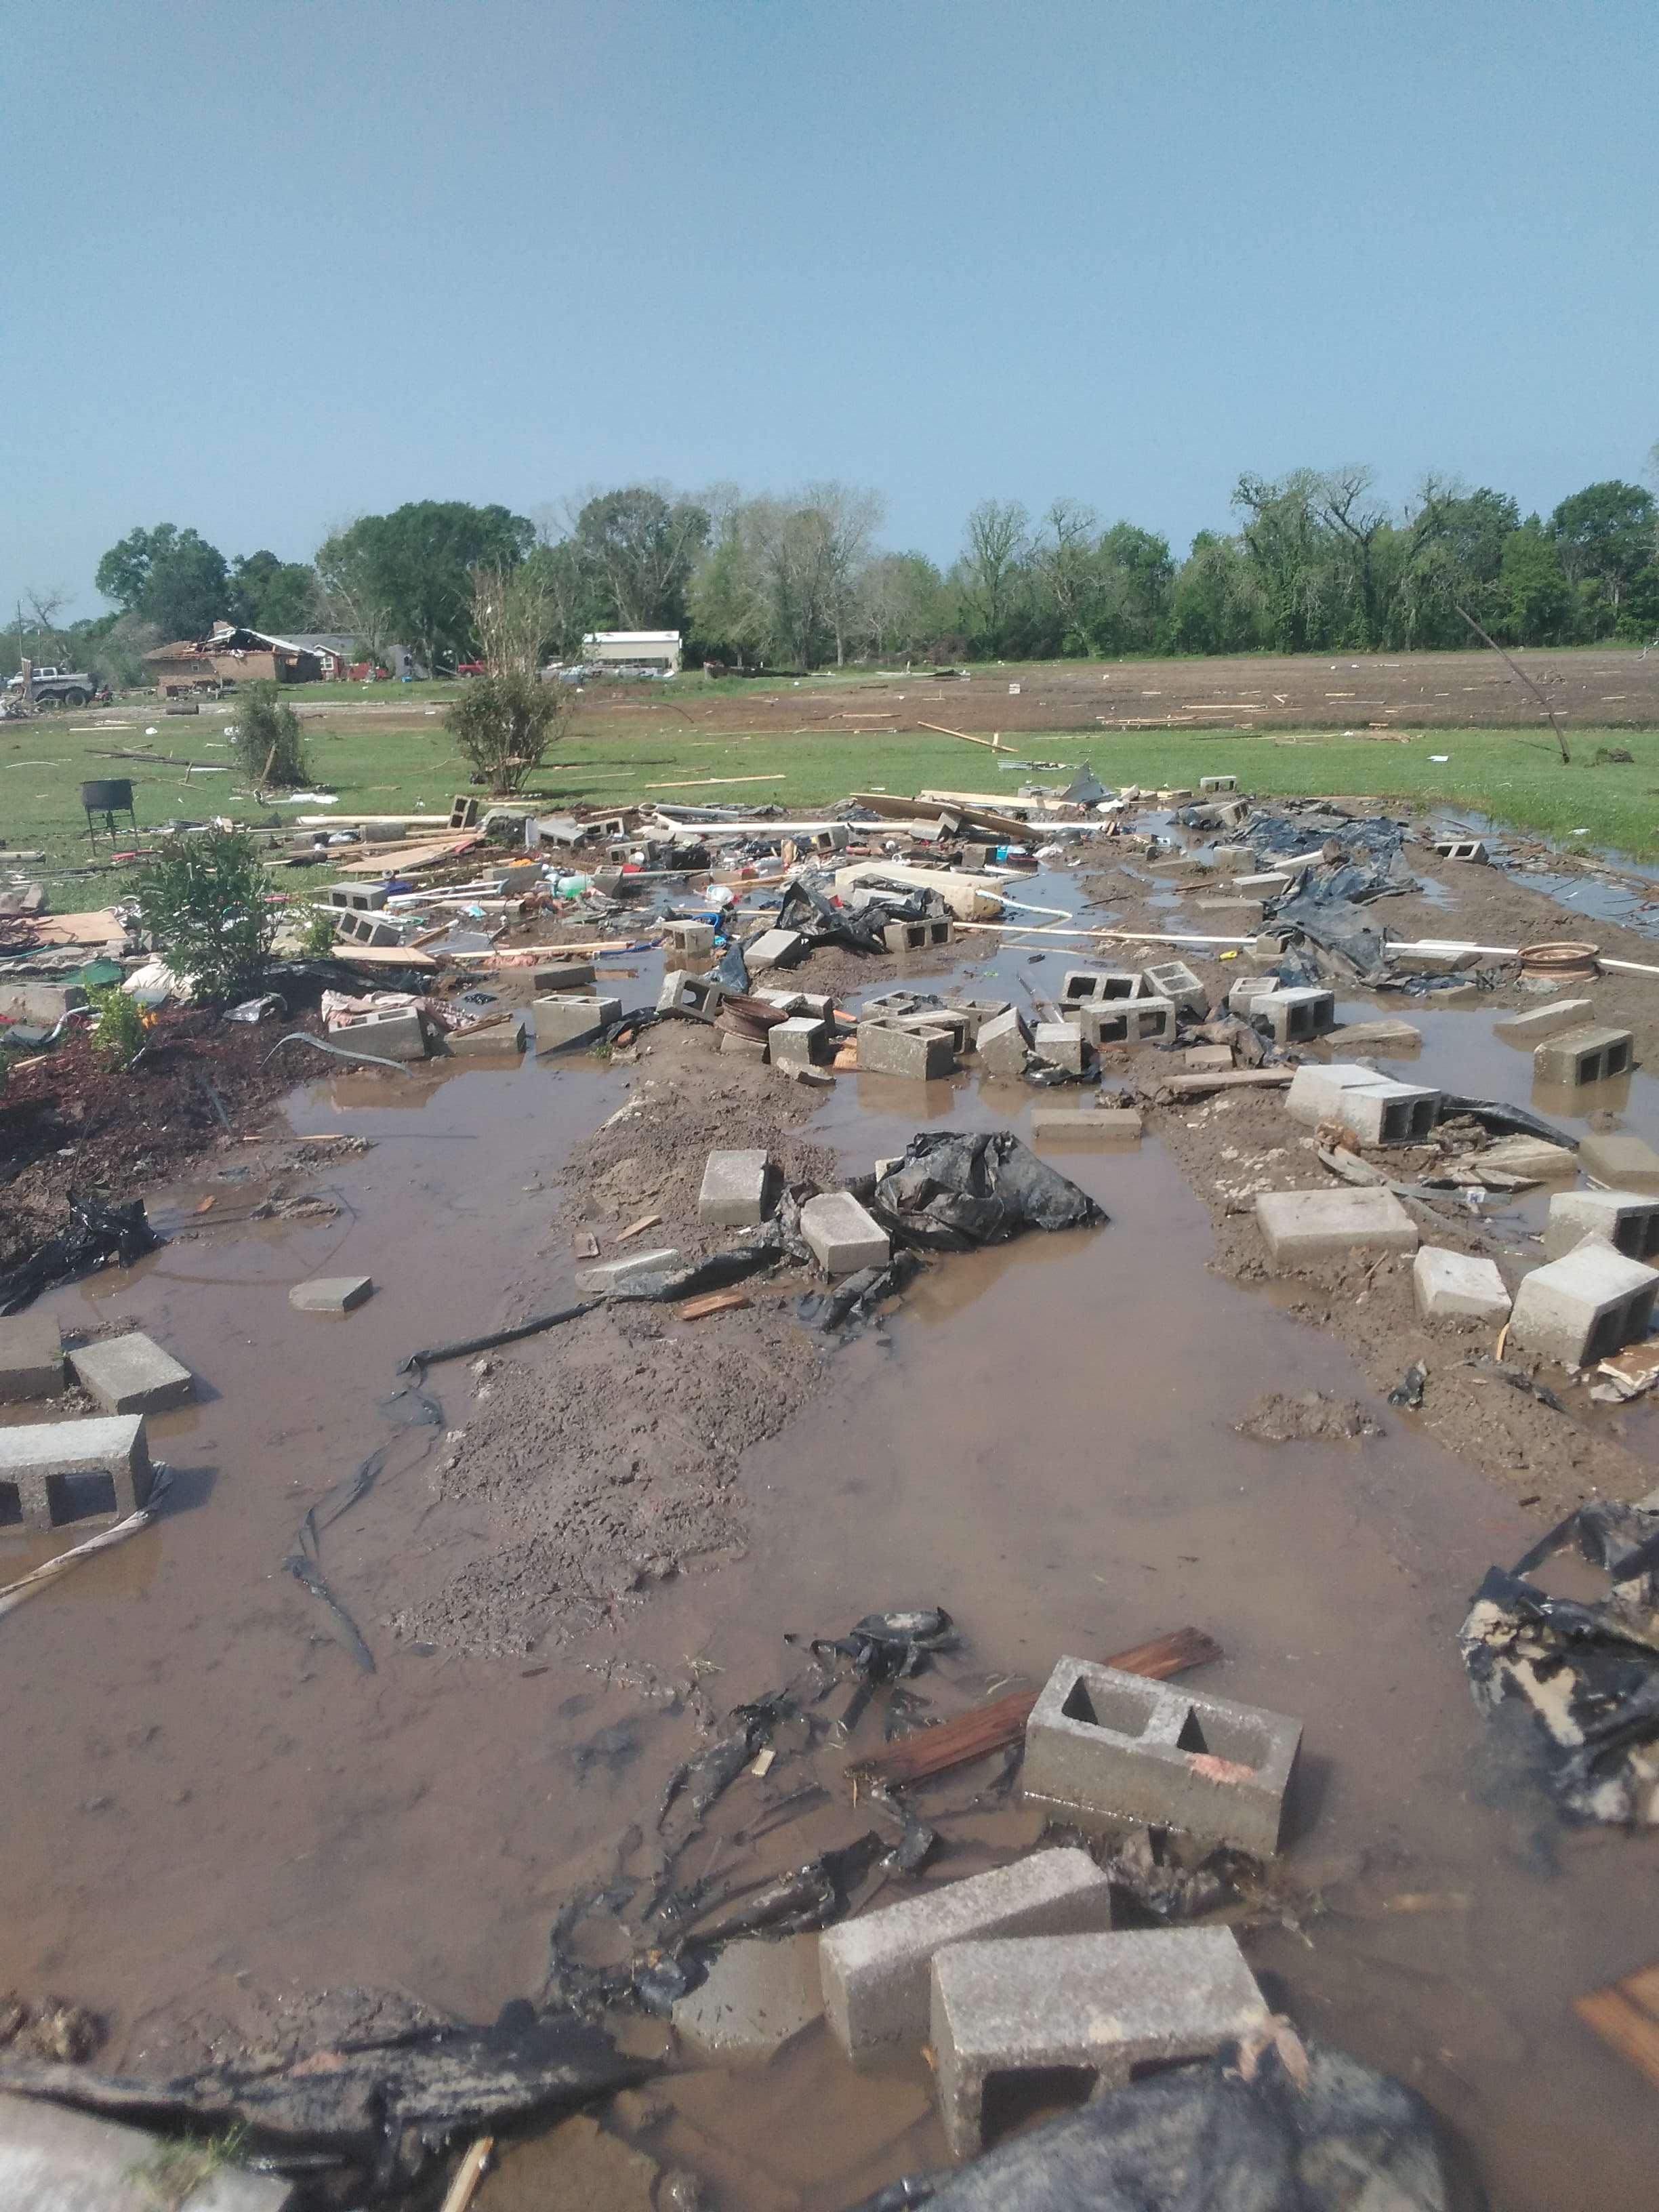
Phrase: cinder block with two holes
(1584, 1306)
(1108, 2005)
(1103, 1747)
(1295, 1011)
(1628, 1219)
(55, 1472)
(1578, 1057)
(1079, 985)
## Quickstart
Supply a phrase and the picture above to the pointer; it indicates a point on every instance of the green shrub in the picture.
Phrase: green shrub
(317, 932)
(203, 902)
(269, 743)
(503, 724)
(119, 1034)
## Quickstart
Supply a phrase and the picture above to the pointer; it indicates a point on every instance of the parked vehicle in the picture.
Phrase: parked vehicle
(57, 687)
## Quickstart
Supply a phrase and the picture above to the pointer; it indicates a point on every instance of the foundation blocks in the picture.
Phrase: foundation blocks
(55, 1472)
(842, 1236)
(1585, 1306)
(916, 936)
(1107, 2005)
(1103, 1747)
(1578, 1057)
(736, 1186)
(1625, 1218)
(1298, 1226)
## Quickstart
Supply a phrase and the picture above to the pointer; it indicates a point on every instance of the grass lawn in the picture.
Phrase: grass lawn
(1514, 775)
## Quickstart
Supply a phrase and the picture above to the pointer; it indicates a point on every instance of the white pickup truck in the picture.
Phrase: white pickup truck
(55, 686)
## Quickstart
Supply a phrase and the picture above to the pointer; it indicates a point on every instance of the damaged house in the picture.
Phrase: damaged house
(235, 654)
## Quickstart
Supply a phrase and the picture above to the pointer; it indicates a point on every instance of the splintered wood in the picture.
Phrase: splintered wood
(995, 1727)
(1626, 2014)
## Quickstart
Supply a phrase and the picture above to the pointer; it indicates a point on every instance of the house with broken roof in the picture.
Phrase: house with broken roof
(234, 654)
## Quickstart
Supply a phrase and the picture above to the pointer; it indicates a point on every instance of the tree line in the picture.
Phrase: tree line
(1315, 562)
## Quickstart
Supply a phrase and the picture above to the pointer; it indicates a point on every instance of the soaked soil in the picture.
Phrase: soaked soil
(229, 1837)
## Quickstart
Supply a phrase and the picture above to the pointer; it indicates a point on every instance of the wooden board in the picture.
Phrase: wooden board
(100, 929)
(1626, 2014)
(996, 1726)
(1233, 1078)
(384, 956)
(399, 859)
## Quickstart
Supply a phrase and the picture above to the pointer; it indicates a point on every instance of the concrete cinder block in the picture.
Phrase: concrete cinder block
(842, 1236)
(54, 2159)
(1314, 1091)
(53, 1472)
(388, 1032)
(975, 1014)
(736, 1186)
(609, 1272)
(1003, 1043)
(1175, 981)
(953, 1023)
(800, 1042)
(39, 1006)
(1106, 2004)
(1300, 1225)
(688, 942)
(1077, 985)
(1461, 848)
(1385, 1036)
(820, 1005)
(1209, 783)
(132, 1375)
(1086, 1125)
(1628, 1219)
(1584, 1306)
(1577, 1057)
(1060, 1043)
(757, 1996)
(495, 1040)
(1103, 1746)
(917, 936)
(1541, 1022)
(1620, 1161)
(1457, 1286)
(1296, 1011)
(775, 948)
(1206, 1059)
(333, 1294)
(1385, 1112)
(743, 1047)
(357, 898)
(922, 1055)
(700, 993)
(31, 1359)
(569, 1017)
(378, 929)
(564, 975)
(875, 1969)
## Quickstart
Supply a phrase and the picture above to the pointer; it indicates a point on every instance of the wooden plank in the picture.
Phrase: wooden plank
(384, 956)
(633, 1228)
(713, 1302)
(1628, 2025)
(703, 783)
(995, 1727)
(1233, 1078)
(395, 859)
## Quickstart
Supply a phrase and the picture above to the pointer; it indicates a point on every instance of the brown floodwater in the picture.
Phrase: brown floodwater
(207, 1807)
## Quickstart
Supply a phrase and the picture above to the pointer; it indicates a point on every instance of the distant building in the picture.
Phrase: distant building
(634, 649)
(234, 654)
(336, 651)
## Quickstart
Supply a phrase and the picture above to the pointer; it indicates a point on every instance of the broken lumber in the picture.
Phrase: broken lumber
(1232, 1078)
(1626, 2016)
(713, 1302)
(990, 743)
(1003, 827)
(703, 782)
(993, 1727)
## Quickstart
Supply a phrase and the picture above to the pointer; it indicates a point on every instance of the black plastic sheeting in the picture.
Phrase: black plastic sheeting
(952, 1191)
(1502, 1120)
(856, 1299)
(1271, 2126)
(1589, 1671)
(810, 907)
(93, 1235)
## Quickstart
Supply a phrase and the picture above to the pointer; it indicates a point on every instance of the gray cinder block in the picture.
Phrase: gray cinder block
(688, 941)
(31, 1359)
(336, 1294)
(1208, 783)
(975, 1013)
(1061, 1045)
(1584, 1056)
(756, 1997)
(916, 936)
(743, 1047)
(564, 975)
(1532, 1028)
(1079, 985)
(775, 948)
(132, 1375)
(842, 1236)
(1628, 1221)
(53, 2159)
(923, 1055)
(1003, 1043)
(1584, 1306)
(702, 993)
(1457, 1286)
(1089, 1124)
(53, 1472)
(496, 1039)
(357, 898)
(875, 1969)
(569, 1017)
(1109, 2003)
(1104, 1746)
(734, 1189)
(388, 1032)
(1314, 1091)
(1299, 1226)
(1623, 1162)
(1175, 981)
(1297, 1012)
(1384, 1112)
(800, 1042)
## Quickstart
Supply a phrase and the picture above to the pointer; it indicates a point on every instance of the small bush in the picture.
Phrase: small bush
(504, 723)
(317, 932)
(270, 744)
(119, 1034)
(203, 901)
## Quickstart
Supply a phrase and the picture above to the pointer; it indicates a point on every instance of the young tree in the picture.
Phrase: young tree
(269, 743)
(506, 719)
(991, 565)
(204, 902)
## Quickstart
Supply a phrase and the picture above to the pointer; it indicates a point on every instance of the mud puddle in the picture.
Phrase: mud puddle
(213, 1816)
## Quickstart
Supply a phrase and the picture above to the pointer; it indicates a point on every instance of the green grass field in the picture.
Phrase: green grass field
(1513, 775)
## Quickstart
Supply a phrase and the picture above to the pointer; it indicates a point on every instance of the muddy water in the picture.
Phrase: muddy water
(209, 1812)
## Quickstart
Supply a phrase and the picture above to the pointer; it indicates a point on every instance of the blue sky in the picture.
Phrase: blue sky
(272, 266)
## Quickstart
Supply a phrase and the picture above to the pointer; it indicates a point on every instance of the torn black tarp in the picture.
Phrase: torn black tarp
(955, 1189)
(883, 1647)
(1589, 1671)
(388, 2109)
(855, 1299)
(713, 1274)
(93, 1235)
(1273, 2125)
(1501, 1119)
(809, 907)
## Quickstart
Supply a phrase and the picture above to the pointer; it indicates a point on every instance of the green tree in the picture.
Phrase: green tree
(269, 743)
(503, 724)
(991, 571)
(644, 544)
(412, 570)
(1537, 601)
(277, 597)
(1604, 536)
(1216, 602)
(169, 577)
(204, 902)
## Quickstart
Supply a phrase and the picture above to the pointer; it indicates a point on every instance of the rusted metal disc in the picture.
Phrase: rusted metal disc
(1564, 957)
